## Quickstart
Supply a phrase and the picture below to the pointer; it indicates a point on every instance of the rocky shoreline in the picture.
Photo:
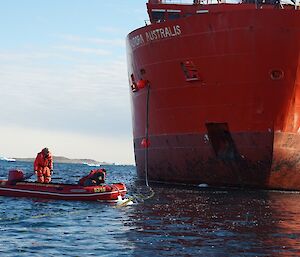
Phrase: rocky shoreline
(61, 159)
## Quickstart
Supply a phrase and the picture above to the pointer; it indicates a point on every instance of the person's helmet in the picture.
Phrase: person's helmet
(45, 151)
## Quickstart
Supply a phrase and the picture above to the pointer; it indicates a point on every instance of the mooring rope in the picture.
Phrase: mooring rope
(147, 134)
(142, 197)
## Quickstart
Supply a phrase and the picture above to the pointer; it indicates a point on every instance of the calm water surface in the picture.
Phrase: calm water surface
(174, 222)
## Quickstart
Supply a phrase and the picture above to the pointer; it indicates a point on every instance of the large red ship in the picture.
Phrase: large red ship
(215, 94)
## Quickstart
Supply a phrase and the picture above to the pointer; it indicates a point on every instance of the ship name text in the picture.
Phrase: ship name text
(153, 35)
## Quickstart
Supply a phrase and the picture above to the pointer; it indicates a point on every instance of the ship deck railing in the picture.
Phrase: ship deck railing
(295, 3)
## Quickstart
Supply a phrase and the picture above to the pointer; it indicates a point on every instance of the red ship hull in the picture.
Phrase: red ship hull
(223, 96)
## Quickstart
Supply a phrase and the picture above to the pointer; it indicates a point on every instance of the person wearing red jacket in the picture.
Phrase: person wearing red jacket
(43, 166)
(95, 178)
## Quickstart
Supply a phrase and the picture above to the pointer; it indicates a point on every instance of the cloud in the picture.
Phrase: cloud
(68, 144)
(63, 78)
(93, 40)
(110, 30)
(28, 55)
(82, 109)
(83, 50)
(94, 95)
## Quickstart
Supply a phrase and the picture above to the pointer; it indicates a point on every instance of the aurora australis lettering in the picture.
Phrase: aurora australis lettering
(156, 34)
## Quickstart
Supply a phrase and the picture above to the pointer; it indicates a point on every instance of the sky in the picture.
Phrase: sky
(63, 78)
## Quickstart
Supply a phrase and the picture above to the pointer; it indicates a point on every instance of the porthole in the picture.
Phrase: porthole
(276, 74)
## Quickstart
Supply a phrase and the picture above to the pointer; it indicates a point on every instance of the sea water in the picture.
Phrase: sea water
(172, 221)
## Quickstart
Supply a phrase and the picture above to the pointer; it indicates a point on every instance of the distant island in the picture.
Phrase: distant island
(61, 159)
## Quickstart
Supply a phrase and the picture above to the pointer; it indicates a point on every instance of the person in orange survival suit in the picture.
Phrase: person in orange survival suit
(95, 178)
(43, 166)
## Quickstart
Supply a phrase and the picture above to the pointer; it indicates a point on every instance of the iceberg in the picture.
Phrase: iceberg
(92, 164)
(2, 158)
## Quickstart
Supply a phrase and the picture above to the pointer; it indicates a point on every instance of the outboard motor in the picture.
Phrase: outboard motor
(15, 176)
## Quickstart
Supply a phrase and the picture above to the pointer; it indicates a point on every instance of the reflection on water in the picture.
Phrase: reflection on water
(177, 221)
(211, 222)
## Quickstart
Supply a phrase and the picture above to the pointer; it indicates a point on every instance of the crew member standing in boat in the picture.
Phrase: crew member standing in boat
(43, 166)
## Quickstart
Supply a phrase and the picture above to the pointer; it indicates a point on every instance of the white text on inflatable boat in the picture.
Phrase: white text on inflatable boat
(153, 35)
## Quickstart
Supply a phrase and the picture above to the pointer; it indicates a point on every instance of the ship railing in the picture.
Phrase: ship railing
(147, 22)
(296, 3)
(191, 2)
(178, 1)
